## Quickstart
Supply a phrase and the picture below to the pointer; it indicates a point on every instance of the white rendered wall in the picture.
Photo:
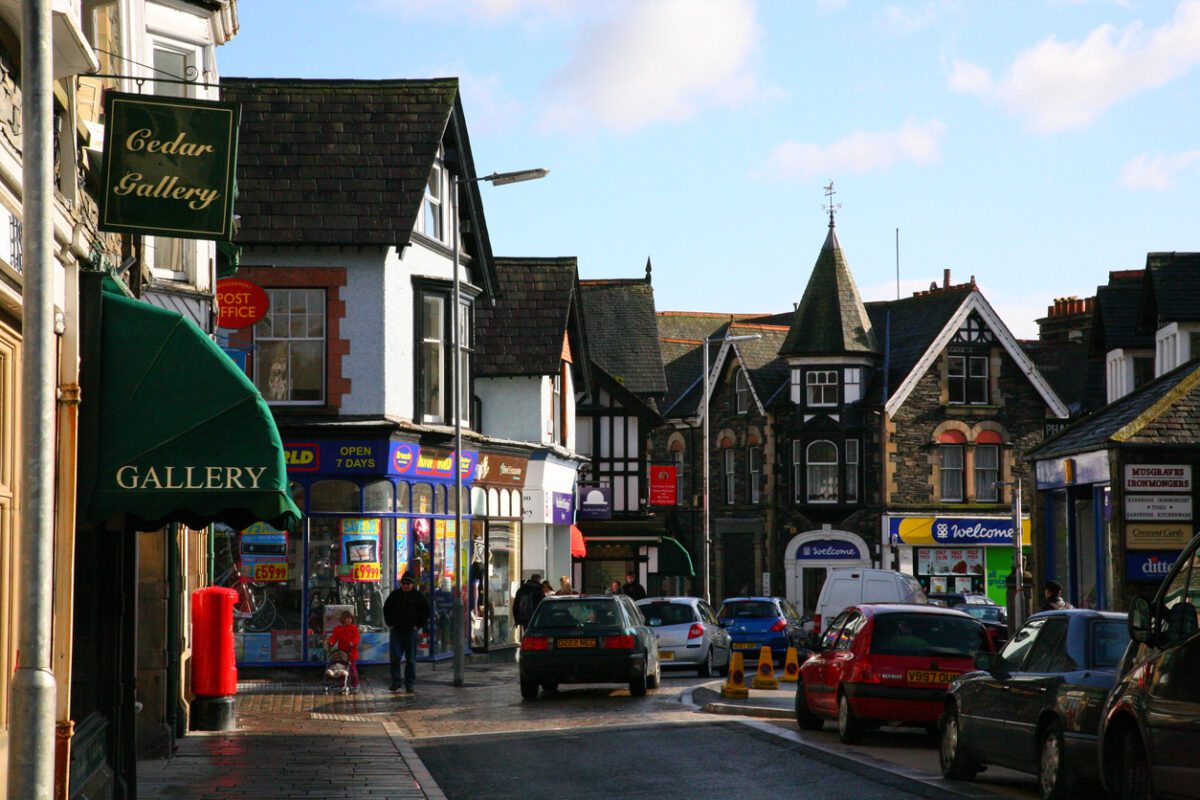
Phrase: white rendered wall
(511, 407)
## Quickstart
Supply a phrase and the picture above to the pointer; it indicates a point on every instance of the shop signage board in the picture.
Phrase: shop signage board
(828, 550)
(950, 561)
(1149, 566)
(501, 470)
(547, 507)
(955, 530)
(169, 166)
(1157, 536)
(662, 485)
(1158, 477)
(562, 510)
(376, 457)
(1158, 507)
(240, 303)
(595, 502)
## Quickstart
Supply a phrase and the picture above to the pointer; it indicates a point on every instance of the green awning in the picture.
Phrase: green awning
(182, 434)
(674, 559)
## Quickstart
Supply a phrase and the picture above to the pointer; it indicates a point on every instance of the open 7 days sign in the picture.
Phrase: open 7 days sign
(168, 166)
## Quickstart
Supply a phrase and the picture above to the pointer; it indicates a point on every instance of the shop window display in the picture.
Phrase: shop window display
(347, 559)
(264, 566)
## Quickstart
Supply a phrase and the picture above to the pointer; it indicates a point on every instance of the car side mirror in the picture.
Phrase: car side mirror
(1141, 621)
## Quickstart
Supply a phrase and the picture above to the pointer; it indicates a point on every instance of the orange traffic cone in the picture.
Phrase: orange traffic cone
(765, 677)
(791, 666)
(735, 684)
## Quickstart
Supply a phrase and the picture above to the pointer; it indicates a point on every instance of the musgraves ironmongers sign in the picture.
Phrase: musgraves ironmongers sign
(168, 166)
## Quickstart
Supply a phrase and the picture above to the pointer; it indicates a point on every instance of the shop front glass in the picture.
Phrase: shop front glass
(952, 570)
(1085, 552)
(1058, 544)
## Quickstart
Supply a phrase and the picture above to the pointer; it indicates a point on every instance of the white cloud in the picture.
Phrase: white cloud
(832, 5)
(860, 152)
(653, 61)
(970, 78)
(1061, 85)
(475, 10)
(1156, 172)
(905, 20)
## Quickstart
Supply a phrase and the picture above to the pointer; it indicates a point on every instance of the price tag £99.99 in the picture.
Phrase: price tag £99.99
(366, 572)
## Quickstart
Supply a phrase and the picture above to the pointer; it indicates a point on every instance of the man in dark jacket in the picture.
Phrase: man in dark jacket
(633, 588)
(1052, 597)
(526, 600)
(405, 612)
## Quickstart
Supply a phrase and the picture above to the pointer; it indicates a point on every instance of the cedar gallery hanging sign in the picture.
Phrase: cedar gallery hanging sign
(169, 166)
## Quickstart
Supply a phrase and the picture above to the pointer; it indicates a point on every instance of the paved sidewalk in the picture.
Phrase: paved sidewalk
(294, 741)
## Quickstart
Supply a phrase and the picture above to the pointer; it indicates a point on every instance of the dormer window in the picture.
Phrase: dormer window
(822, 387)
(432, 221)
(967, 380)
(741, 392)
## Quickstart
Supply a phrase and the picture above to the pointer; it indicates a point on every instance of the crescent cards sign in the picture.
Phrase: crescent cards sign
(168, 166)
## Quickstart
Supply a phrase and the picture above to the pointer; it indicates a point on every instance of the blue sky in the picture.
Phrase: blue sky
(1034, 144)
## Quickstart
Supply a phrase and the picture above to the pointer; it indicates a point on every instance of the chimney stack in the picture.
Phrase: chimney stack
(946, 278)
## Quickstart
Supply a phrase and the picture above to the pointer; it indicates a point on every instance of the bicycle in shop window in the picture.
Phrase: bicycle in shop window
(366, 598)
(255, 611)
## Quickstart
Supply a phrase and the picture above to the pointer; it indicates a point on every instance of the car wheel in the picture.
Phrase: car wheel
(706, 669)
(654, 680)
(639, 683)
(529, 689)
(850, 727)
(550, 687)
(956, 763)
(807, 720)
(1054, 778)
(1133, 773)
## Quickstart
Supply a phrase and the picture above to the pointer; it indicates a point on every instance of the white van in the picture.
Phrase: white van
(851, 586)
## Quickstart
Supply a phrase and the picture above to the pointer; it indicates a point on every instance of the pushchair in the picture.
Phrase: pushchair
(337, 671)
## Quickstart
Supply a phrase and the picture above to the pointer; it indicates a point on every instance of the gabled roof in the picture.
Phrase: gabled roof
(623, 334)
(830, 319)
(1170, 290)
(1117, 306)
(1076, 377)
(522, 333)
(906, 328)
(1163, 412)
(969, 300)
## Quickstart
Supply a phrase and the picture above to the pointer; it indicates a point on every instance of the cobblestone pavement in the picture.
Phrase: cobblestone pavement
(295, 741)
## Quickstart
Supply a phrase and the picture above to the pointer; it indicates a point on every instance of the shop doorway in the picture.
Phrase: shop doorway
(737, 572)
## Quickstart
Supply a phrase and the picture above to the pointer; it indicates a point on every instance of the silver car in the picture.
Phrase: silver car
(689, 634)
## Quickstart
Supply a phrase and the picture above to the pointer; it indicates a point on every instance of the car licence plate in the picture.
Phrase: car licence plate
(665, 655)
(563, 643)
(931, 676)
(745, 645)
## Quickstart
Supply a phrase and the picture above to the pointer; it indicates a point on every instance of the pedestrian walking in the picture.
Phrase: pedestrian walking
(564, 586)
(547, 589)
(1052, 597)
(526, 600)
(633, 588)
(613, 588)
(405, 612)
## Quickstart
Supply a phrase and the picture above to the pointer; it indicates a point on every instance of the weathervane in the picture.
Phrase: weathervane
(831, 207)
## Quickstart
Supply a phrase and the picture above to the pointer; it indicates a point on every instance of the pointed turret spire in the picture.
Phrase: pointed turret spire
(649, 269)
(831, 319)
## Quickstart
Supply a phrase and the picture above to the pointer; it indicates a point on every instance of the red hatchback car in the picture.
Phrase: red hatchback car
(880, 663)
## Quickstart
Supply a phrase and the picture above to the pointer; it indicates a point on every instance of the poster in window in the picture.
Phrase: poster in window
(401, 548)
(360, 551)
(950, 561)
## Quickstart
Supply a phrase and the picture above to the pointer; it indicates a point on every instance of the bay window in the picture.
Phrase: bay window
(432, 374)
(822, 387)
(822, 472)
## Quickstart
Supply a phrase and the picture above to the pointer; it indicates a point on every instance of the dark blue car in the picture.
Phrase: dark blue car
(753, 622)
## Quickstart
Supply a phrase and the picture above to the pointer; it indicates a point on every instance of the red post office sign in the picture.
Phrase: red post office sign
(662, 485)
(240, 303)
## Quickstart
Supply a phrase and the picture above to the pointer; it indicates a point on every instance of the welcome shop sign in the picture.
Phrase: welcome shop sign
(169, 166)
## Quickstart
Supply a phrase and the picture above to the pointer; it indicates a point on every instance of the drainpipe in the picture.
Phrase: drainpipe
(31, 731)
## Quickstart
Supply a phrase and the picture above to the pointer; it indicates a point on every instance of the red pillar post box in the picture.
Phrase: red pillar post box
(214, 664)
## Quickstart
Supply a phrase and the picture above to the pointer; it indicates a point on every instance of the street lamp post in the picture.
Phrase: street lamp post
(704, 444)
(458, 617)
(1018, 612)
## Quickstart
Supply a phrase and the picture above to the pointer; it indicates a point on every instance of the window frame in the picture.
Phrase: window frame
(754, 471)
(830, 468)
(257, 339)
(797, 470)
(741, 392)
(964, 385)
(943, 450)
(436, 203)
(730, 476)
(852, 482)
(992, 495)
(852, 377)
(814, 388)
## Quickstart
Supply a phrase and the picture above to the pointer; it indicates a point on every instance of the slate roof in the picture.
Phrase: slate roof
(830, 319)
(1171, 290)
(681, 337)
(622, 333)
(336, 161)
(914, 323)
(1163, 412)
(1117, 305)
(522, 334)
(1076, 377)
